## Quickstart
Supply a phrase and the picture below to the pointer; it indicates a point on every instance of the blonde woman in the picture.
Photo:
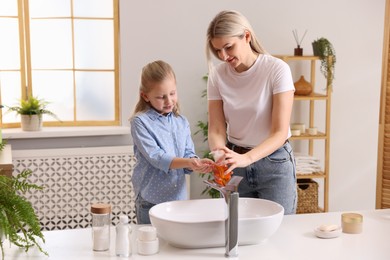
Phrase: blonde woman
(250, 98)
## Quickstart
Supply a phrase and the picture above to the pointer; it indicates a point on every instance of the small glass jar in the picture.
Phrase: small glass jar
(352, 223)
(101, 222)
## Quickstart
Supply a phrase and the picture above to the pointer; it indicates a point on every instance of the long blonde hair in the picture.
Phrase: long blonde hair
(230, 23)
(154, 72)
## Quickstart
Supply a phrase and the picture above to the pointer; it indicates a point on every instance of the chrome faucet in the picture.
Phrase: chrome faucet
(229, 192)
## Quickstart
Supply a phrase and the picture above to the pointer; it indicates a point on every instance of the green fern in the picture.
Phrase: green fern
(18, 221)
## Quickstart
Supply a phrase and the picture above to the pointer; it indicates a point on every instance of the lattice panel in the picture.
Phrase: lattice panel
(73, 183)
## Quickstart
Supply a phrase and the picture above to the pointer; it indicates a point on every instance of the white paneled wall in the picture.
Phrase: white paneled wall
(75, 178)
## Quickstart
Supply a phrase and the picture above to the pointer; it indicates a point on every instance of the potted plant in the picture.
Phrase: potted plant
(203, 128)
(31, 111)
(18, 221)
(324, 49)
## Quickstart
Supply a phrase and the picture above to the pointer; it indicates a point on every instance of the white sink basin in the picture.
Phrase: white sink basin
(201, 223)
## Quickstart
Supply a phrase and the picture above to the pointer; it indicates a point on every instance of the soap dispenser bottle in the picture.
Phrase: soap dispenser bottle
(122, 241)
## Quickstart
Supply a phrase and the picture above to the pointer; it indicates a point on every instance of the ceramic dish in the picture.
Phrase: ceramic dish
(319, 232)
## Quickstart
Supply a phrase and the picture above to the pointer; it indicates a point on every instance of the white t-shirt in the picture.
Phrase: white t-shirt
(247, 97)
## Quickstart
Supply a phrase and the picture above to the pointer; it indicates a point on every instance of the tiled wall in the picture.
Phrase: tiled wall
(73, 179)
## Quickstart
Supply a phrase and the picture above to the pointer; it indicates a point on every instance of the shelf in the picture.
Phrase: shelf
(312, 96)
(306, 136)
(68, 131)
(315, 96)
(311, 175)
(290, 57)
(6, 166)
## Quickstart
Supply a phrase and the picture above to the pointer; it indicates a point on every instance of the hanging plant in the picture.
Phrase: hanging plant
(323, 48)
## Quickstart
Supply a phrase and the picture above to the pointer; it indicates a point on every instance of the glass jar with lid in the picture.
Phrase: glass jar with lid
(101, 222)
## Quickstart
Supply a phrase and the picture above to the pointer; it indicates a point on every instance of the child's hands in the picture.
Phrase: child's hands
(204, 165)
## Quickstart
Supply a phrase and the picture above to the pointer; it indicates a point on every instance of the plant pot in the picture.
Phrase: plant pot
(302, 87)
(316, 49)
(31, 122)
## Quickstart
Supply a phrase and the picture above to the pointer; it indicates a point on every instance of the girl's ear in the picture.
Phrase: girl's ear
(144, 96)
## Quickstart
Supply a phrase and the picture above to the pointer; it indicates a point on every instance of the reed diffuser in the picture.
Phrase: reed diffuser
(298, 51)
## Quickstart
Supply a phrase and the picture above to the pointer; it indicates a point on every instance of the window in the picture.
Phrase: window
(63, 51)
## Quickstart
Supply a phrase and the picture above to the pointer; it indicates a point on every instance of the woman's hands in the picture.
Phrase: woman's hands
(225, 156)
(232, 159)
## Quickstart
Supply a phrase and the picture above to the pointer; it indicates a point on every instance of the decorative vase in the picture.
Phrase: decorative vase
(303, 87)
(298, 51)
(31, 122)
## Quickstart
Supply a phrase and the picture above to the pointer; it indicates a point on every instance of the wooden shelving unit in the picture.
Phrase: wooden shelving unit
(6, 166)
(324, 134)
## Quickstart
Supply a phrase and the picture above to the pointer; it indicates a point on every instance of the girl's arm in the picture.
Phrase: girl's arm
(190, 160)
(179, 163)
(195, 164)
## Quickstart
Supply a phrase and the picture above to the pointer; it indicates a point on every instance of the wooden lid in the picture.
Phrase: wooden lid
(101, 208)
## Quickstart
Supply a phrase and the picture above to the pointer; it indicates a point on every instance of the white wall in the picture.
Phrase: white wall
(174, 30)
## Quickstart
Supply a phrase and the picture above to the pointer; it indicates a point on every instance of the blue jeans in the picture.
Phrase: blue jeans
(142, 208)
(272, 178)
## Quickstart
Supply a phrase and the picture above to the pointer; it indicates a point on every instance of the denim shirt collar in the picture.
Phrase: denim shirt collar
(153, 114)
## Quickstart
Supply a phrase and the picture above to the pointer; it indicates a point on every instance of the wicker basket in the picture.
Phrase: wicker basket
(307, 196)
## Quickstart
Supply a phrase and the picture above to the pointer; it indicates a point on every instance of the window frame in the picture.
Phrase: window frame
(27, 88)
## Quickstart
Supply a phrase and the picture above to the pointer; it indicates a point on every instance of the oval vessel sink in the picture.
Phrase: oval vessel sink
(201, 223)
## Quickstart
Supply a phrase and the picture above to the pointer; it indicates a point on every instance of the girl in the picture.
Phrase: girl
(162, 142)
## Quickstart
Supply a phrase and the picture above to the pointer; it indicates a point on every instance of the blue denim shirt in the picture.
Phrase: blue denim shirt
(157, 140)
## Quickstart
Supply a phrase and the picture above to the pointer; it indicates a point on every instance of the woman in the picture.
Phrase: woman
(250, 98)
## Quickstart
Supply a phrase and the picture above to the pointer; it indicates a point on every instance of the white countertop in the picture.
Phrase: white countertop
(294, 239)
